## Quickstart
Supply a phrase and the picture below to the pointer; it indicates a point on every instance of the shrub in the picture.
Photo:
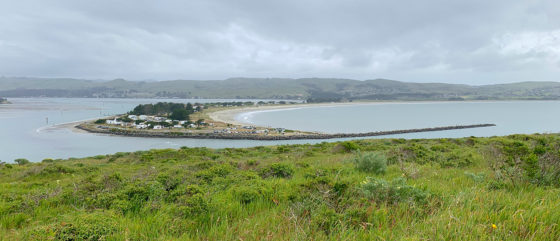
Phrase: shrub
(47, 160)
(396, 191)
(277, 170)
(514, 162)
(283, 149)
(372, 162)
(350, 146)
(99, 157)
(214, 171)
(94, 226)
(55, 168)
(251, 191)
(246, 194)
(325, 219)
(192, 205)
(169, 182)
(140, 193)
(100, 121)
(459, 159)
(21, 161)
(251, 163)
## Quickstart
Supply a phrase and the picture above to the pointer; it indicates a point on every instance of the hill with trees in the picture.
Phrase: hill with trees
(312, 89)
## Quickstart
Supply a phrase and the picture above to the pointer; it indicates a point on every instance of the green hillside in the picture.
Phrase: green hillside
(313, 89)
(499, 188)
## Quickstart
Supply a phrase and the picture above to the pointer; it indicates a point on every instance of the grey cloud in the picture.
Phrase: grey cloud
(473, 42)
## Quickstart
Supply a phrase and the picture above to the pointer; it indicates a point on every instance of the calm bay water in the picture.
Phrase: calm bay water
(510, 117)
(25, 133)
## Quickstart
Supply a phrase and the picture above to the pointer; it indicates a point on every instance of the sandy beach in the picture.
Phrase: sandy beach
(68, 125)
(229, 115)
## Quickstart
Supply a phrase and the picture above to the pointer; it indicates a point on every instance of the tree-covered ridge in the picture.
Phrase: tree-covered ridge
(175, 111)
(499, 188)
(312, 89)
(181, 111)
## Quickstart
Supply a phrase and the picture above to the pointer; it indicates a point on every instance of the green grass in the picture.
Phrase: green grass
(440, 189)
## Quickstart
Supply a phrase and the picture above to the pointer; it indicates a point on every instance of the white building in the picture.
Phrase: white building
(141, 126)
(113, 122)
(158, 127)
(143, 117)
(133, 117)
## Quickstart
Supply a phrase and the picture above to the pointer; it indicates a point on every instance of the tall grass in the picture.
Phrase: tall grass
(301, 192)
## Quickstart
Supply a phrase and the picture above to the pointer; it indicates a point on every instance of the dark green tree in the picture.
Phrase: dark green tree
(179, 114)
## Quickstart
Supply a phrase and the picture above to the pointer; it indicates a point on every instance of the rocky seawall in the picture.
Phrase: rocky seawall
(171, 134)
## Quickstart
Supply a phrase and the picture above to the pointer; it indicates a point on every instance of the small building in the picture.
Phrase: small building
(141, 126)
(114, 122)
(177, 126)
(142, 117)
(133, 117)
(158, 127)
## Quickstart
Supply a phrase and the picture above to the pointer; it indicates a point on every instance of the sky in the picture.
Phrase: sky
(471, 42)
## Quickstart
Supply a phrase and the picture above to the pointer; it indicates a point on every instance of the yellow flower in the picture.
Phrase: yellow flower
(494, 226)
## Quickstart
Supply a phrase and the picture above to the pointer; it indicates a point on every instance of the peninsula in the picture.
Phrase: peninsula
(216, 121)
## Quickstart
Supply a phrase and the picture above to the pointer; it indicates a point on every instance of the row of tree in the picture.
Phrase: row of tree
(181, 111)
(175, 111)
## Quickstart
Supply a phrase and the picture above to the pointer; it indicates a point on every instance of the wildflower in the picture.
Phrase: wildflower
(57, 181)
(494, 226)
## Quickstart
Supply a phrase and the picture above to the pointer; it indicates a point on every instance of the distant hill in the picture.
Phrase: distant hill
(311, 89)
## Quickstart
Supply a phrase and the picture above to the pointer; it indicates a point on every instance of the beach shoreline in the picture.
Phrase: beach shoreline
(230, 115)
(72, 126)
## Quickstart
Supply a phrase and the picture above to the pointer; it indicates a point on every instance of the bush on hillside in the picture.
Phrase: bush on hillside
(350, 146)
(371, 162)
(396, 191)
(21, 161)
(277, 170)
(94, 226)
(516, 161)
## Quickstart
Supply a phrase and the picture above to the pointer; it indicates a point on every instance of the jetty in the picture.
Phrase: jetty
(241, 136)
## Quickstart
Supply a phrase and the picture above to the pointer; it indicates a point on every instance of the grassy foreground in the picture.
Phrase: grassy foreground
(500, 188)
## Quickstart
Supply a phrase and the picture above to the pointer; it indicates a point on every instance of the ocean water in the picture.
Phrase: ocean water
(510, 117)
(25, 132)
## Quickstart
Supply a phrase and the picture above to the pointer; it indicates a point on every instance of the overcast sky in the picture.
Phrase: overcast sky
(470, 41)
